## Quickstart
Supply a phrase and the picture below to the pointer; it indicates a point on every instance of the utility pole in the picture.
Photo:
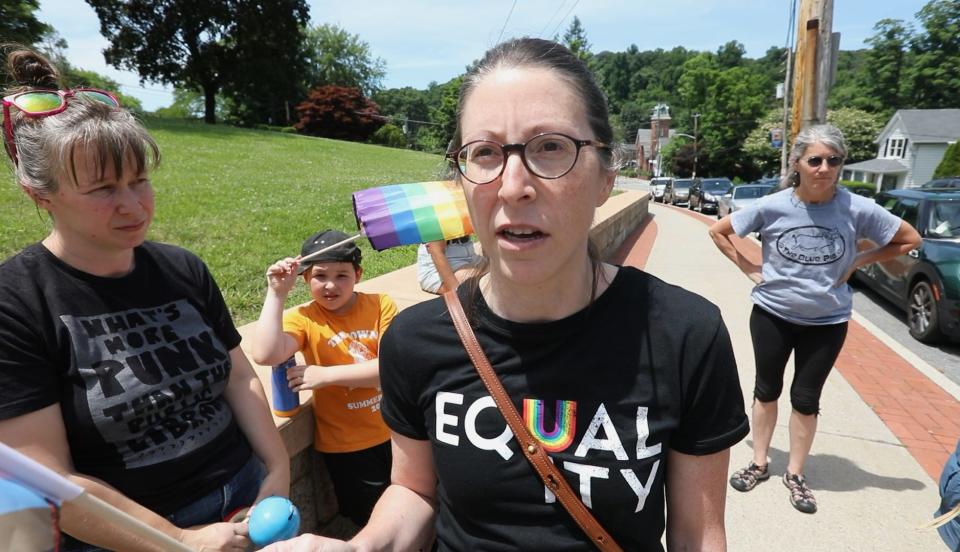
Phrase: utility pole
(696, 118)
(785, 146)
(815, 64)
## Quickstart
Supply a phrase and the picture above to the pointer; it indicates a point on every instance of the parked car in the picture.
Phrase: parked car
(657, 186)
(677, 191)
(768, 181)
(926, 281)
(741, 196)
(949, 182)
(705, 193)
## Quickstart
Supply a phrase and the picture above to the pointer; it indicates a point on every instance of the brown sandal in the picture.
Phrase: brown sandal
(746, 479)
(800, 495)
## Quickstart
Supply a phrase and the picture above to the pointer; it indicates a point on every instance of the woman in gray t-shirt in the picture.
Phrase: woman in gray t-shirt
(802, 301)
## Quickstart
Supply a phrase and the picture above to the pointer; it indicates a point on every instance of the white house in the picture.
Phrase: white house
(909, 148)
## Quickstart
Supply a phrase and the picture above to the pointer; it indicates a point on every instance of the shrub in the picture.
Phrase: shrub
(866, 189)
(389, 135)
(950, 165)
(338, 112)
(629, 172)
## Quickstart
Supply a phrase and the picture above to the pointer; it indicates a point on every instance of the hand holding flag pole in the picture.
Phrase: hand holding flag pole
(47, 483)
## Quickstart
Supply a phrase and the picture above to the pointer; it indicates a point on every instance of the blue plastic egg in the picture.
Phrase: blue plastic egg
(273, 519)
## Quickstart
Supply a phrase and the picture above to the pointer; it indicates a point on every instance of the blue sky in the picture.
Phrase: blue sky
(423, 41)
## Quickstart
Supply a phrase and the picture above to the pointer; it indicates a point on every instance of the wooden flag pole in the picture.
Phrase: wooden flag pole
(128, 523)
(316, 254)
(40, 479)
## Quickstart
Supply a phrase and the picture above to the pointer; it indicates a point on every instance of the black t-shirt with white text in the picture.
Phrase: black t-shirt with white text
(647, 367)
(138, 365)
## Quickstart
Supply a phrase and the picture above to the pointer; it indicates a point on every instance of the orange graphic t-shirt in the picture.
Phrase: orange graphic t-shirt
(347, 419)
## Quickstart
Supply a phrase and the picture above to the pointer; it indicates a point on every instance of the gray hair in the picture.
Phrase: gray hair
(826, 134)
(46, 146)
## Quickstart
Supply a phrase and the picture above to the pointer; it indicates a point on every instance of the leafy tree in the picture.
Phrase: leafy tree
(680, 156)
(633, 117)
(735, 99)
(437, 137)
(407, 107)
(206, 45)
(851, 82)
(699, 73)
(950, 164)
(860, 130)
(335, 56)
(575, 38)
(935, 73)
(886, 62)
(19, 24)
(614, 71)
(730, 54)
(73, 77)
(773, 64)
(756, 147)
(389, 135)
(338, 112)
(188, 104)
(267, 44)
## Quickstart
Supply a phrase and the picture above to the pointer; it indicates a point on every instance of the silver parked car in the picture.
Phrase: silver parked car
(677, 191)
(741, 196)
(657, 186)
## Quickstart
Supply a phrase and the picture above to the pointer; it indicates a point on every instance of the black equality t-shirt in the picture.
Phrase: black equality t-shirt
(138, 365)
(646, 368)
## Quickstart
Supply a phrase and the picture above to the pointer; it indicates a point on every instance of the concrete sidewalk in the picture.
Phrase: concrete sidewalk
(884, 431)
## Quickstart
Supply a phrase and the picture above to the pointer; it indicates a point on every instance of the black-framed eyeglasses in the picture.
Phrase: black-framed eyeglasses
(549, 155)
(833, 161)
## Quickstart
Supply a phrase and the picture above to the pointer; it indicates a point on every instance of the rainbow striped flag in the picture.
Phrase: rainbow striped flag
(405, 214)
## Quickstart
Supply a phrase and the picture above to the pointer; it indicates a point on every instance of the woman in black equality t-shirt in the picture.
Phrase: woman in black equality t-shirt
(120, 366)
(629, 383)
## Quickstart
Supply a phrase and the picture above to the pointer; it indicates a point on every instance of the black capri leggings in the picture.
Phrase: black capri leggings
(815, 350)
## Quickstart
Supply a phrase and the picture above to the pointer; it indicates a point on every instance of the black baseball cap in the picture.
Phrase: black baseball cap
(346, 253)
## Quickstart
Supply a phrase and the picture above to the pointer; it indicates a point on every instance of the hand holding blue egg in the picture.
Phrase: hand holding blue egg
(273, 519)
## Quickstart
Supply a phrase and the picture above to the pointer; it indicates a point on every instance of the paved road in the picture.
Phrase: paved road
(883, 314)
(880, 312)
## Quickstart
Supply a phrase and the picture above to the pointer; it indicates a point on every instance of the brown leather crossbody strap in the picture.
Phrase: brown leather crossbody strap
(528, 444)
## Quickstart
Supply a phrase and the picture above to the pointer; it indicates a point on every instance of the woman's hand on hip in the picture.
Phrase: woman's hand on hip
(846, 276)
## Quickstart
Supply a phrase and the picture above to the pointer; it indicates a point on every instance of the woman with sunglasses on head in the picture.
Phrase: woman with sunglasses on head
(627, 384)
(120, 366)
(802, 301)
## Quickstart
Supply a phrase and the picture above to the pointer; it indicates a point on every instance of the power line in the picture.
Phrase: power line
(144, 88)
(549, 21)
(557, 28)
(506, 20)
(791, 24)
(392, 118)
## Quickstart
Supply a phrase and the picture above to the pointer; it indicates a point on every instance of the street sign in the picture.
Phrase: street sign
(776, 137)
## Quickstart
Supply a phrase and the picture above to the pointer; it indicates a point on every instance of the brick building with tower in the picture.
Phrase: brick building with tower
(650, 143)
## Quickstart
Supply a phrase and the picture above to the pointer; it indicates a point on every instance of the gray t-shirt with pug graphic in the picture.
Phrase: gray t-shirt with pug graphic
(807, 248)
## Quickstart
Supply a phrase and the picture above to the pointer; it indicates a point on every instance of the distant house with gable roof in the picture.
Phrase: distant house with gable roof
(909, 148)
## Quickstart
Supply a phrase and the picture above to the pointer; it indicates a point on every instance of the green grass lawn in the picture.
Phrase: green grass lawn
(242, 199)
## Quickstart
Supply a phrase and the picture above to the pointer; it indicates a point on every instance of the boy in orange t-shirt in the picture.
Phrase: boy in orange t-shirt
(339, 335)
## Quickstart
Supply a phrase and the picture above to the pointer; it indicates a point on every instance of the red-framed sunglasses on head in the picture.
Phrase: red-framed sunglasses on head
(43, 103)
